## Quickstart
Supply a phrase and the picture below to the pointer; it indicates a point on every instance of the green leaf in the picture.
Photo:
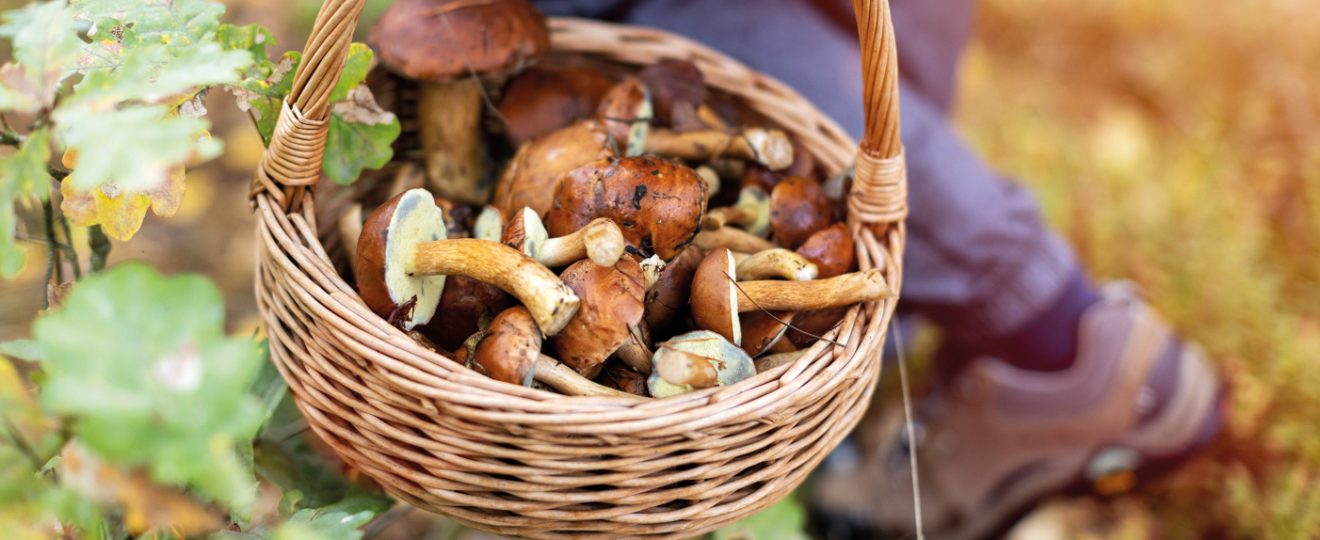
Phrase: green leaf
(356, 67)
(260, 94)
(141, 363)
(23, 176)
(22, 349)
(156, 73)
(133, 149)
(784, 520)
(252, 38)
(162, 21)
(45, 42)
(356, 145)
(269, 387)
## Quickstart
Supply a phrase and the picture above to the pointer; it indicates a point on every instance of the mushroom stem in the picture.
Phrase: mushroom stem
(551, 373)
(601, 241)
(774, 263)
(551, 303)
(732, 239)
(772, 361)
(450, 132)
(635, 353)
(751, 212)
(772, 295)
(728, 215)
(350, 230)
(769, 147)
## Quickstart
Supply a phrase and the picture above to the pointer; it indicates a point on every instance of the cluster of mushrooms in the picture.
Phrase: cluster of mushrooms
(609, 256)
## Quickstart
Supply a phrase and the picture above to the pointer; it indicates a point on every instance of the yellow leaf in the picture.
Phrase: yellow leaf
(70, 158)
(120, 214)
(19, 405)
(146, 506)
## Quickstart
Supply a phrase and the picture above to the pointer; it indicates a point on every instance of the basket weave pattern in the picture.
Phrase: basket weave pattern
(524, 462)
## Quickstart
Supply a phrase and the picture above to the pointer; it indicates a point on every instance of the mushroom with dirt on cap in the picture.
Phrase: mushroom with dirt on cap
(657, 203)
(611, 309)
(447, 45)
(403, 257)
(510, 351)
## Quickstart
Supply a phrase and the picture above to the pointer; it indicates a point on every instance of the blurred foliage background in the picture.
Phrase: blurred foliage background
(1174, 142)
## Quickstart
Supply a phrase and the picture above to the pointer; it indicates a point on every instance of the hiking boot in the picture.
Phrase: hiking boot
(996, 440)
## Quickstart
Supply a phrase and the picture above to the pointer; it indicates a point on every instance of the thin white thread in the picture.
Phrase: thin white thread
(911, 431)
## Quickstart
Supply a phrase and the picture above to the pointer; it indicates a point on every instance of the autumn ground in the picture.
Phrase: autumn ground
(1174, 142)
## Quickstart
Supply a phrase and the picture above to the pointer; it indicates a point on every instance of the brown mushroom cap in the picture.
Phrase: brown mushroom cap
(543, 99)
(443, 40)
(531, 176)
(657, 203)
(618, 377)
(509, 350)
(623, 107)
(831, 250)
(760, 330)
(611, 304)
(666, 301)
(714, 296)
(677, 89)
(798, 208)
(464, 306)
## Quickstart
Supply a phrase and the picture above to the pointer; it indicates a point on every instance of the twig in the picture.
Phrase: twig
(70, 251)
(21, 444)
(100, 245)
(53, 271)
(911, 432)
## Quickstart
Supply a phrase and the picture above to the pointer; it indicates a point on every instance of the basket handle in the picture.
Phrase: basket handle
(879, 191)
(292, 163)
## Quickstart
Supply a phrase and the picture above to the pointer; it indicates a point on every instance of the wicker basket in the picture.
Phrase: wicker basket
(524, 462)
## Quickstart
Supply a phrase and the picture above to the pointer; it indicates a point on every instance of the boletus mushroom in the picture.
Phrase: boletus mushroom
(798, 208)
(467, 305)
(404, 256)
(831, 250)
(543, 99)
(696, 360)
(717, 298)
(731, 238)
(612, 305)
(668, 298)
(751, 212)
(600, 240)
(657, 203)
(777, 263)
(530, 177)
(510, 351)
(623, 379)
(448, 45)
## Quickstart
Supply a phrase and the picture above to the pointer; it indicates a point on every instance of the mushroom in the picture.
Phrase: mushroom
(611, 308)
(468, 305)
(656, 202)
(712, 179)
(831, 250)
(731, 238)
(350, 229)
(600, 240)
(798, 208)
(623, 379)
(696, 360)
(677, 91)
(543, 99)
(403, 258)
(667, 299)
(530, 177)
(769, 147)
(774, 263)
(751, 212)
(717, 298)
(625, 111)
(510, 351)
(446, 45)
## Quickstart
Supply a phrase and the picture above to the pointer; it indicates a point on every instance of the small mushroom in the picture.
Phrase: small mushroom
(696, 360)
(778, 263)
(656, 202)
(403, 258)
(769, 147)
(751, 212)
(611, 307)
(510, 351)
(447, 45)
(625, 111)
(798, 208)
(543, 99)
(731, 238)
(717, 298)
(531, 176)
(600, 240)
